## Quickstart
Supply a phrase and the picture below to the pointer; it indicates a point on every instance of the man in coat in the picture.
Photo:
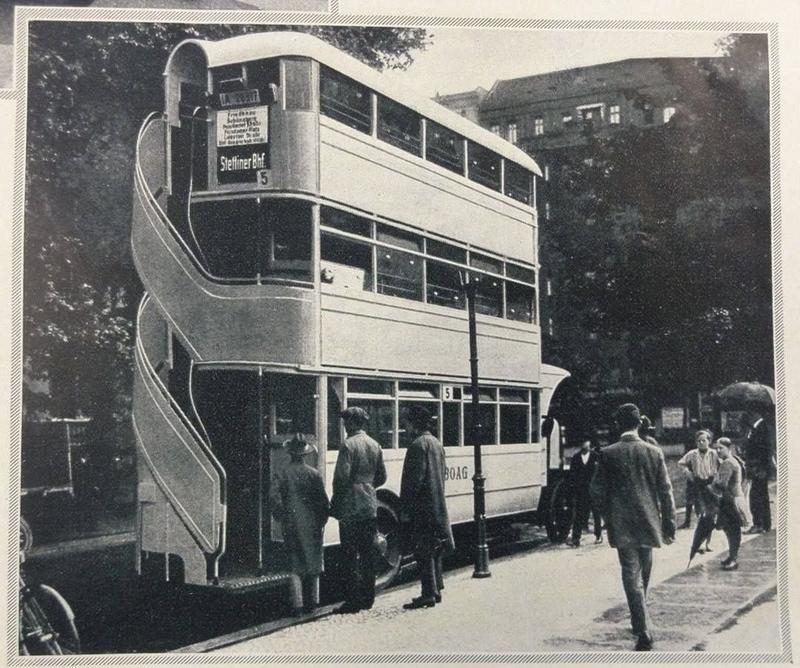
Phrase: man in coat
(634, 493)
(581, 469)
(359, 471)
(300, 503)
(423, 505)
(759, 456)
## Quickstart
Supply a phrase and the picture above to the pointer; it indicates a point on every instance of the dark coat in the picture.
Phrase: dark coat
(422, 495)
(634, 493)
(580, 474)
(759, 451)
(299, 501)
(359, 470)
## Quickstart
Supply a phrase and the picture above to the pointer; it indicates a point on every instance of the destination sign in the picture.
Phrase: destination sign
(238, 98)
(240, 127)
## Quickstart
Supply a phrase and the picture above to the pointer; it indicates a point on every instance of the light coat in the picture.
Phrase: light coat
(422, 495)
(634, 493)
(359, 471)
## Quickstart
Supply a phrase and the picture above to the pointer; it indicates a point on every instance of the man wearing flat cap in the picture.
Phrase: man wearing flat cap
(634, 493)
(359, 471)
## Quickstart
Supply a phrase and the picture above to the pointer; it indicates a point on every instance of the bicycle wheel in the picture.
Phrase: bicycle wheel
(61, 619)
(25, 537)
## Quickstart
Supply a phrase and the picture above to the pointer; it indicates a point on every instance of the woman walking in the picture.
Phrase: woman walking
(732, 514)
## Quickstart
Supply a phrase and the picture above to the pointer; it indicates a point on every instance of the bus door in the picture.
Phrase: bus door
(248, 414)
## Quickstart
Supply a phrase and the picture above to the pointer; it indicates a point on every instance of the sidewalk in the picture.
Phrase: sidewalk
(554, 599)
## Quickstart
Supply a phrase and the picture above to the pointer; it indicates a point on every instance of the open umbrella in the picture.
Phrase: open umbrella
(743, 394)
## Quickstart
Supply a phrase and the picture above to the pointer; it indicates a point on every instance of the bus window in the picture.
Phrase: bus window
(444, 285)
(488, 295)
(297, 83)
(228, 237)
(346, 221)
(350, 261)
(519, 302)
(399, 126)
(520, 273)
(381, 419)
(445, 148)
(484, 166)
(451, 422)
(518, 182)
(335, 401)
(288, 243)
(446, 251)
(485, 263)
(260, 74)
(535, 416)
(513, 416)
(345, 100)
(399, 274)
(488, 422)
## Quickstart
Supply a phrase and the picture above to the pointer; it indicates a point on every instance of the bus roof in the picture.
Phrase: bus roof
(255, 46)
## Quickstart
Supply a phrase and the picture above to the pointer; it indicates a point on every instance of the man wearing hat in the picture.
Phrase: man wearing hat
(300, 503)
(359, 470)
(423, 506)
(634, 493)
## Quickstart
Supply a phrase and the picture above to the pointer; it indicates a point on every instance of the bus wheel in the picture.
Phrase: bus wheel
(25, 537)
(559, 515)
(387, 544)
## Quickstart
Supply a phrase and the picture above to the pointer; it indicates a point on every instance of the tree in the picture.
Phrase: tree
(90, 87)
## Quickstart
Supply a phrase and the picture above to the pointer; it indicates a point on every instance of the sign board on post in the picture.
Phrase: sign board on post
(672, 418)
(243, 145)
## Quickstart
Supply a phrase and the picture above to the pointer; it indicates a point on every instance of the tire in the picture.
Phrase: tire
(559, 513)
(389, 555)
(25, 537)
(61, 618)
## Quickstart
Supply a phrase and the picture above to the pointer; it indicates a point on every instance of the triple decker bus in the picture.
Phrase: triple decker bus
(302, 227)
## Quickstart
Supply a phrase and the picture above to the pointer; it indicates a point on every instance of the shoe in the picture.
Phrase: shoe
(685, 525)
(437, 598)
(725, 561)
(419, 602)
(644, 643)
(575, 543)
(346, 609)
(755, 529)
(308, 609)
(598, 540)
(731, 566)
(701, 551)
(708, 549)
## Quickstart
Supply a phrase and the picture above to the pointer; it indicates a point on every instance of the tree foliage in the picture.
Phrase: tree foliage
(663, 240)
(90, 86)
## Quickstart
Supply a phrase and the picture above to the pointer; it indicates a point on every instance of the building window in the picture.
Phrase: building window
(551, 330)
(546, 172)
(566, 118)
(547, 210)
(495, 129)
(538, 126)
(512, 133)
(669, 112)
(591, 112)
(613, 114)
(648, 113)
(549, 287)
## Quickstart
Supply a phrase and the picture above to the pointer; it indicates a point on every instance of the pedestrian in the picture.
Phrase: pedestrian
(300, 503)
(759, 456)
(634, 494)
(701, 464)
(647, 432)
(359, 471)
(581, 469)
(423, 506)
(732, 514)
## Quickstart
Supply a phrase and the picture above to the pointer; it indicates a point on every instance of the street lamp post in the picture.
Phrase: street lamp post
(478, 480)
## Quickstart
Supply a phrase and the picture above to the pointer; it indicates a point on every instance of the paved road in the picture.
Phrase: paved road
(552, 600)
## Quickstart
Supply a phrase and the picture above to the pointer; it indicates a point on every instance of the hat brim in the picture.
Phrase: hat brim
(293, 450)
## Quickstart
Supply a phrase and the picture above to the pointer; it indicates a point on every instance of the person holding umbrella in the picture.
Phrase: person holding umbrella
(732, 513)
(701, 464)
